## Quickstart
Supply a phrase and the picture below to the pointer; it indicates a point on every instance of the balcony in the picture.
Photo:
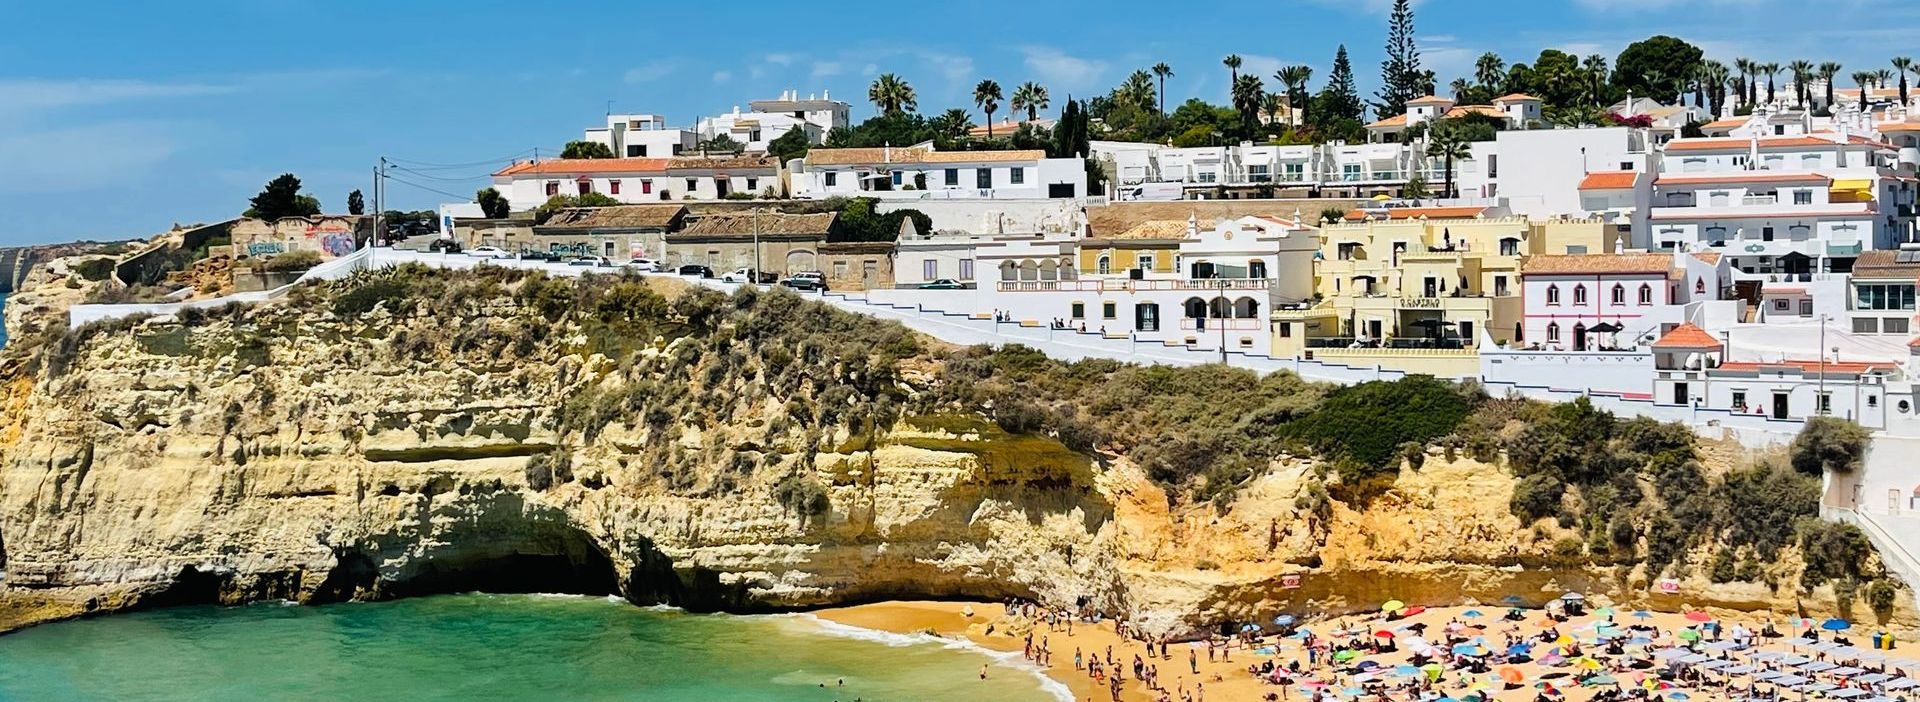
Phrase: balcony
(1217, 324)
(1129, 285)
(1348, 342)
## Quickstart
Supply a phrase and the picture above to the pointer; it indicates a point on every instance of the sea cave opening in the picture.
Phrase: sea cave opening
(546, 559)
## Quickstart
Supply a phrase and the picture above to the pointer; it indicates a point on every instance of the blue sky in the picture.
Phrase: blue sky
(117, 120)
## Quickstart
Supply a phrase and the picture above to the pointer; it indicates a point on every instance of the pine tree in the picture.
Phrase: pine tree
(1400, 76)
(1340, 99)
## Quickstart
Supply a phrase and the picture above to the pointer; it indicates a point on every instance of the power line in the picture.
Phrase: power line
(428, 189)
(444, 179)
(424, 165)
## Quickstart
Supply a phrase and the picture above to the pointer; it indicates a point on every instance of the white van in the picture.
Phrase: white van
(1153, 191)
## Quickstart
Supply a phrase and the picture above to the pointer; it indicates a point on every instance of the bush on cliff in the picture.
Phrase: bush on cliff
(1829, 444)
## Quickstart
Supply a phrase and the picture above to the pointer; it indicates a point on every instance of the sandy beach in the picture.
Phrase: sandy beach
(1634, 670)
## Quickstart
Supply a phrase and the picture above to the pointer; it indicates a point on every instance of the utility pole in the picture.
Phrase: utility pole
(1820, 401)
(1225, 314)
(755, 278)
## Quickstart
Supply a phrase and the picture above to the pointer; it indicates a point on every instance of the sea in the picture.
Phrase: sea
(496, 647)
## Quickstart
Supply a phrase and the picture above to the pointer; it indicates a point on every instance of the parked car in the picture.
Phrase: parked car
(531, 255)
(744, 275)
(646, 265)
(806, 280)
(594, 261)
(943, 284)
(697, 270)
(488, 252)
(444, 246)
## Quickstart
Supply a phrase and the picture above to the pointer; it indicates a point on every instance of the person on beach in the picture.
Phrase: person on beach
(1076, 658)
(1193, 659)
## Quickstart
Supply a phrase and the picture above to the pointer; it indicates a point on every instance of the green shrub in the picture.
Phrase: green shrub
(1368, 422)
(1833, 552)
(1829, 444)
(94, 269)
(292, 261)
(1536, 496)
(802, 495)
(1880, 597)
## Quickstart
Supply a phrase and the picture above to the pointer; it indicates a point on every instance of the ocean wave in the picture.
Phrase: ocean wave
(1003, 659)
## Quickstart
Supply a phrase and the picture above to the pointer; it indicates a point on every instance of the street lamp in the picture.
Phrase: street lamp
(1225, 314)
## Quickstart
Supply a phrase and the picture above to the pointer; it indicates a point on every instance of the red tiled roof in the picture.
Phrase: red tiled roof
(1805, 367)
(1687, 336)
(1460, 212)
(1755, 177)
(1710, 257)
(1728, 123)
(1786, 142)
(1598, 263)
(1516, 97)
(576, 166)
(1429, 100)
(1610, 180)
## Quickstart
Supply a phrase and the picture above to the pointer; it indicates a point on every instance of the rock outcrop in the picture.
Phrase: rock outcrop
(291, 452)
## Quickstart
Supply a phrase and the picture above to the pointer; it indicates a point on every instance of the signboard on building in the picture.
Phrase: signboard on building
(1290, 581)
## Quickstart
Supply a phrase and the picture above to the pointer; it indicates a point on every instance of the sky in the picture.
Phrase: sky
(120, 119)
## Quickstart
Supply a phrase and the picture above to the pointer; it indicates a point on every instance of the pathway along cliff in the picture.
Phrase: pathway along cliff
(415, 431)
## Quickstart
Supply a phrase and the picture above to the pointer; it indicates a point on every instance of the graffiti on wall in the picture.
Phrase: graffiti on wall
(265, 248)
(337, 244)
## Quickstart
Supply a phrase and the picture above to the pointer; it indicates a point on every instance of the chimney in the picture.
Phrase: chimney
(886, 153)
(824, 95)
(1193, 225)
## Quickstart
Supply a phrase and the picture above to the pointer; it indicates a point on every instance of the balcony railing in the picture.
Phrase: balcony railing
(1215, 324)
(1348, 342)
(1131, 285)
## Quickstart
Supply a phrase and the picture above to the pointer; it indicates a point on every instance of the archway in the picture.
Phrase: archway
(1246, 308)
(801, 260)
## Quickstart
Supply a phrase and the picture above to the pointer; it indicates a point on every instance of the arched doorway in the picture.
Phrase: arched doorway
(1246, 308)
(1146, 317)
(1580, 337)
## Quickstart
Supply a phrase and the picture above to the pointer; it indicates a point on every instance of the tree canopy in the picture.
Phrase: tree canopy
(281, 198)
(492, 204)
(1656, 67)
(586, 149)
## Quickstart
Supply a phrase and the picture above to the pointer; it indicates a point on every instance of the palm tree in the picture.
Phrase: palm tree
(1232, 62)
(1771, 69)
(1903, 64)
(1247, 92)
(1295, 78)
(1273, 103)
(987, 96)
(891, 94)
(952, 124)
(1827, 72)
(1862, 79)
(1031, 97)
(1802, 71)
(1163, 72)
(1596, 66)
(1714, 75)
(1882, 77)
(1448, 145)
(1460, 86)
(1488, 70)
(1137, 91)
(1745, 68)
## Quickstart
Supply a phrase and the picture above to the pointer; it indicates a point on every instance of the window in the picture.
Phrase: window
(1579, 294)
(1143, 262)
(951, 176)
(1866, 325)
(1806, 308)
(1104, 265)
(831, 178)
(1079, 310)
(1294, 171)
(929, 269)
(753, 135)
(1108, 310)
(1826, 402)
(1208, 176)
(1350, 171)
(1553, 294)
(1803, 197)
(1500, 285)
(613, 187)
(1646, 294)
(839, 269)
(1893, 325)
(1883, 296)
(1873, 401)
(1766, 233)
(646, 186)
(966, 269)
(1347, 251)
(753, 185)
(693, 184)
(1017, 175)
(553, 188)
(1739, 400)
(1553, 332)
(898, 178)
(1620, 294)
(1258, 174)
(983, 178)
(1509, 247)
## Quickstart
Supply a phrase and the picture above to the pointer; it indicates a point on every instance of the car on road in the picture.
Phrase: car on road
(444, 246)
(747, 275)
(644, 265)
(696, 270)
(488, 252)
(806, 280)
(531, 255)
(943, 284)
(592, 261)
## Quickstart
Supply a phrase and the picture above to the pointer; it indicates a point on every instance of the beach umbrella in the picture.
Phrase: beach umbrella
(1405, 670)
(1512, 675)
(1345, 655)
(1600, 680)
(1642, 614)
(1699, 616)
(1472, 614)
(1573, 596)
(1383, 634)
(1689, 635)
(1392, 606)
(1677, 696)
(1545, 623)
(1410, 611)
(1519, 649)
(1432, 670)
(1606, 612)
(1283, 620)
(1512, 599)
(1352, 691)
(1466, 649)
(1835, 625)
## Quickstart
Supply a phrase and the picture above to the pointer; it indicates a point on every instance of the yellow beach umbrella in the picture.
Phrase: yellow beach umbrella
(1393, 606)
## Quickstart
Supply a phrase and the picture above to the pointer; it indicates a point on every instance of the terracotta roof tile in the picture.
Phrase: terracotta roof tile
(911, 154)
(1786, 142)
(745, 223)
(1394, 121)
(722, 162)
(1687, 336)
(1430, 100)
(584, 166)
(1610, 180)
(621, 217)
(1516, 97)
(1883, 263)
(1710, 257)
(1160, 229)
(1460, 212)
(1806, 367)
(1584, 264)
(1753, 177)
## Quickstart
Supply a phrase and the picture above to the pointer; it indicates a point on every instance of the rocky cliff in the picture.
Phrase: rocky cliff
(401, 435)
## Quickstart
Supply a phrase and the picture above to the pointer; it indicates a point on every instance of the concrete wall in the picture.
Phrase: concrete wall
(996, 217)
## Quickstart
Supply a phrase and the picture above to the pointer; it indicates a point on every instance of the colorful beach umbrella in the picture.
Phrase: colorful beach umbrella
(1392, 606)
(1689, 635)
(1600, 680)
(1512, 675)
(1383, 634)
(1835, 625)
(1641, 614)
(1699, 616)
(1283, 620)
(1472, 614)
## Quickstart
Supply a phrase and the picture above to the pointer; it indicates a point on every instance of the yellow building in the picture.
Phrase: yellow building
(1152, 246)
(1415, 289)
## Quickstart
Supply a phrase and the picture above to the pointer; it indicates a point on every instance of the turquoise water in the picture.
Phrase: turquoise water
(489, 647)
(3, 327)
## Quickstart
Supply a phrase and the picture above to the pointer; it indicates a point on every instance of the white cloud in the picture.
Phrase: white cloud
(1062, 71)
(87, 157)
(871, 69)
(722, 76)
(33, 95)
(781, 59)
(825, 69)
(955, 68)
(650, 71)
(1262, 66)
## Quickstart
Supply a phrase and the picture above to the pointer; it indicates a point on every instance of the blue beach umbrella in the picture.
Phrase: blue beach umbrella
(1835, 625)
(1405, 670)
(1642, 614)
(1512, 599)
(1520, 649)
(1678, 696)
(1471, 614)
(1466, 649)
(1283, 620)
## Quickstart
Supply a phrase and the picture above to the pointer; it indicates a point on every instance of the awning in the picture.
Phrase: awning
(1853, 184)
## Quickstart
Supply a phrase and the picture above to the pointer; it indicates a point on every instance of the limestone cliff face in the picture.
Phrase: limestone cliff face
(285, 452)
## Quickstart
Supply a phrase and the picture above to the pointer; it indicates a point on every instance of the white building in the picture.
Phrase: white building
(1248, 170)
(1631, 298)
(642, 136)
(1782, 205)
(767, 120)
(824, 112)
(1518, 110)
(528, 184)
(1543, 173)
(923, 172)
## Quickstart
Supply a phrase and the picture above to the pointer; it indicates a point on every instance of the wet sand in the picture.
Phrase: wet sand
(1224, 680)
